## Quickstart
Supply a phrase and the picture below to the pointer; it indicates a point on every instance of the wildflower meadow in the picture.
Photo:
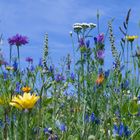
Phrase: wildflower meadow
(78, 100)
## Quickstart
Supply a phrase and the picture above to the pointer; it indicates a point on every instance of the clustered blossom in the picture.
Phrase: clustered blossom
(78, 26)
(100, 38)
(18, 40)
(100, 50)
(84, 45)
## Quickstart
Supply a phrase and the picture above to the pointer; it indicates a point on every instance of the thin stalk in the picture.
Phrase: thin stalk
(127, 55)
(18, 55)
(73, 51)
(26, 125)
(5, 130)
(12, 126)
(98, 24)
(10, 54)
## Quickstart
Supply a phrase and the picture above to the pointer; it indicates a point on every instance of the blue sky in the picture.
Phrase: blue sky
(34, 18)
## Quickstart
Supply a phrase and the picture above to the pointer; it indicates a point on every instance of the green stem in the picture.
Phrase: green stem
(12, 126)
(5, 128)
(73, 51)
(18, 55)
(10, 54)
(26, 125)
(127, 56)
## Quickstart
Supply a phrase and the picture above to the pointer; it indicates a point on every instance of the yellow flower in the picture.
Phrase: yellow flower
(9, 68)
(27, 101)
(26, 89)
(131, 38)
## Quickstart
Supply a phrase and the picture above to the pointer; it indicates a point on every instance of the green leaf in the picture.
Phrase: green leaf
(75, 137)
(47, 101)
(133, 107)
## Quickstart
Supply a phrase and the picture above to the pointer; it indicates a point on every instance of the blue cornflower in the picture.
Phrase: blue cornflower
(121, 130)
(100, 71)
(7, 120)
(63, 127)
(125, 84)
(59, 78)
(40, 63)
(18, 87)
(92, 117)
(107, 73)
(5, 76)
(51, 69)
(46, 131)
(86, 118)
(72, 76)
(87, 43)
(95, 40)
(15, 65)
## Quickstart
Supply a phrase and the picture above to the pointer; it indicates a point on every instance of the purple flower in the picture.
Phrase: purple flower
(59, 78)
(100, 38)
(18, 40)
(81, 42)
(100, 54)
(29, 60)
